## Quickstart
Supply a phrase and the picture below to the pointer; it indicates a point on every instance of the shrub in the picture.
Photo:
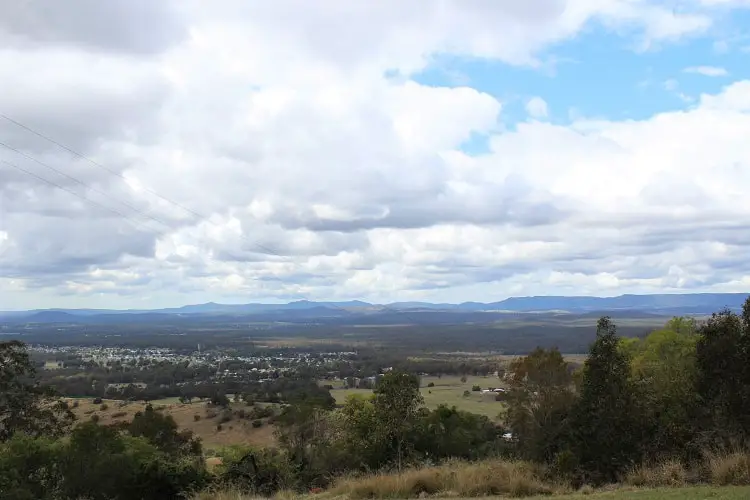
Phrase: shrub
(257, 423)
(467, 394)
(476, 388)
(218, 427)
(729, 469)
(463, 379)
(667, 473)
(431, 384)
(95, 418)
(75, 404)
(211, 413)
(97, 401)
(226, 416)
(104, 407)
(196, 417)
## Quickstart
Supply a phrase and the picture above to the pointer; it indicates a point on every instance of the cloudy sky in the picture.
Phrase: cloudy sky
(182, 151)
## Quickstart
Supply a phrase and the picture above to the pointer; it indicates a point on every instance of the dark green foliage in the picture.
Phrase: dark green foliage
(161, 431)
(24, 405)
(723, 361)
(99, 463)
(540, 399)
(607, 427)
(476, 388)
(451, 433)
(219, 399)
(262, 472)
(397, 401)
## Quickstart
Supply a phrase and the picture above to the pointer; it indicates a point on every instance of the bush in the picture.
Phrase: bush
(226, 416)
(211, 413)
(463, 379)
(257, 423)
(467, 394)
(95, 418)
(476, 388)
(218, 427)
(196, 417)
(104, 407)
(729, 469)
(75, 404)
(668, 473)
(431, 384)
(97, 401)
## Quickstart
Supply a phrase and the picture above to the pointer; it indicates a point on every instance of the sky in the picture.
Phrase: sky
(165, 153)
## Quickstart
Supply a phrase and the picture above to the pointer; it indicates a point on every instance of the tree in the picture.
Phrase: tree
(605, 422)
(723, 361)
(397, 401)
(25, 406)
(161, 431)
(451, 433)
(539, 402)
(304, 432)
(664, 372)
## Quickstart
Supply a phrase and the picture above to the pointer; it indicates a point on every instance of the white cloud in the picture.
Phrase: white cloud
(306, 172)
(536, 107)
(707, 71)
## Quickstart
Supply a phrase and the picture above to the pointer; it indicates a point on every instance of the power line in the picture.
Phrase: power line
(81, 183)
(84, 198)
(198, 215)
(201, 217)
(97, 164)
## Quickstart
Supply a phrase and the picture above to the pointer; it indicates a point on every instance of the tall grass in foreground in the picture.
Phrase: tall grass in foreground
(514, 479)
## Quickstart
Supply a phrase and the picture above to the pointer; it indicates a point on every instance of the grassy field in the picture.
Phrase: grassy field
(236, 431)
(691, 493)
(448, 390)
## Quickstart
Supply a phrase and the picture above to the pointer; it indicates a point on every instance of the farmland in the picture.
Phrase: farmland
(448, 390)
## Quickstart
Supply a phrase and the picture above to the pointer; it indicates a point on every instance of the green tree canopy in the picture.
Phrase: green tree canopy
(25, 406)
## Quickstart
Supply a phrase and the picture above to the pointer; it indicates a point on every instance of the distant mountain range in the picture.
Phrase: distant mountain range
(303, 310)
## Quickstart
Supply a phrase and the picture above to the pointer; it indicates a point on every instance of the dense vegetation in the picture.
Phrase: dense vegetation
(676, 395)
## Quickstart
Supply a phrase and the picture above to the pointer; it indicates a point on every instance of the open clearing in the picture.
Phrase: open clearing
(448, 390)
(694, 493)
(236, 431)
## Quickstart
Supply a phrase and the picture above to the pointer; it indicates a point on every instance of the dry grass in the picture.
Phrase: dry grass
(669, 473)
(514, 479)
(720, 476)
(237, 431)
(239, 495)
(729, 469)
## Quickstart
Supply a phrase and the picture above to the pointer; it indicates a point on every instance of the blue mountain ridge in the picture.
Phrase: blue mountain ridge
(689, 303)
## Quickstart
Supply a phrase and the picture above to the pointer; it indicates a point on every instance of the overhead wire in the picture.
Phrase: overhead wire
(197, 215)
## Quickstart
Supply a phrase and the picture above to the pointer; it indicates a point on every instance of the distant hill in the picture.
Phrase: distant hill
(422, 312)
